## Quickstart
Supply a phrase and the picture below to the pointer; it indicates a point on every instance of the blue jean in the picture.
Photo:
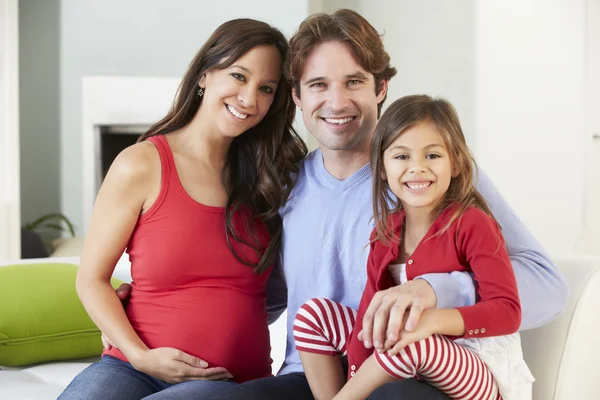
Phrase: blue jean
(111, 378)
(295, 387)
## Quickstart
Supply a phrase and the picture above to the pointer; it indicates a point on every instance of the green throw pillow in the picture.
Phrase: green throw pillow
(41, 316)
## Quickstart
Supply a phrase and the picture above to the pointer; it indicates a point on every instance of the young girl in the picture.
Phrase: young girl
(428, 218)
(195, 203)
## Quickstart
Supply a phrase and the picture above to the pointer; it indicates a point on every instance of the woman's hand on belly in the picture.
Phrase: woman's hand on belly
(174, 366)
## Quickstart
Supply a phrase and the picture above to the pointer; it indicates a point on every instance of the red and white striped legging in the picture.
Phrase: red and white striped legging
(323, 326)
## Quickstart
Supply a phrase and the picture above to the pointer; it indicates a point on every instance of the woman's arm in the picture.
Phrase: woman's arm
(118, 206)
(131, 185)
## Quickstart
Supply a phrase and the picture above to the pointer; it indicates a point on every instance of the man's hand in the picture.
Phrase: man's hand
(386, 316)
(123, 293)
(107, 343)
(174, 366)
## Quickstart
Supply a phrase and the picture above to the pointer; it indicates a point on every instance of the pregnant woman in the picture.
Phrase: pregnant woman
(195, 203)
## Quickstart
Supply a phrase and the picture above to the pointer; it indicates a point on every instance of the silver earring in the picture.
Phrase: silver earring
(200, 92)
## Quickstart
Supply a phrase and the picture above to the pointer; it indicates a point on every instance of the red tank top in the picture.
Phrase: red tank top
(189, 291)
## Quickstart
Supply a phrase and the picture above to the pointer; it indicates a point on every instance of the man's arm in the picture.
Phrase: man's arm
(276, 293)
(543, 289)
(456, 289)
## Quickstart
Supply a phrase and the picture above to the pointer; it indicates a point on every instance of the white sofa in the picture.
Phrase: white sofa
(561, 355)
(47, 381)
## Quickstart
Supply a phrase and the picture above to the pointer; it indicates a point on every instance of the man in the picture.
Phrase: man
(340, 72)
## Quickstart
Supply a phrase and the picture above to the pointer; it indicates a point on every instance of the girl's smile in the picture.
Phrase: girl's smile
(417, 167)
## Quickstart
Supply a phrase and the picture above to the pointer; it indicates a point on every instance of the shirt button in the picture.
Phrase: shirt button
(353, 368)
(352, 373)
(471, 332)
(482, 330)
(476, 331)
(410, 262)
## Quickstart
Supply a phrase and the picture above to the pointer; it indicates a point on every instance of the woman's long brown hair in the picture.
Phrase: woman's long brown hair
(262, 162)
(401, 115)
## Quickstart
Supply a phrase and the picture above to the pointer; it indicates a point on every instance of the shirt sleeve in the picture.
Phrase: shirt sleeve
(542, 287)
(452, 290)
(480, 243)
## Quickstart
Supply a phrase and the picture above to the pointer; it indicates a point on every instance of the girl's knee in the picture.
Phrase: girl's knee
(322, 326)
(310, 318)
(314, 312)
(315, 303)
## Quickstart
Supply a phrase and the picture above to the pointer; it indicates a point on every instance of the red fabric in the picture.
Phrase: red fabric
(323, 326)
(189, 291)
(473, 244)
(445, 365)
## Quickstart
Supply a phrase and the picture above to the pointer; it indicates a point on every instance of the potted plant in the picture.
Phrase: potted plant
(37, 236)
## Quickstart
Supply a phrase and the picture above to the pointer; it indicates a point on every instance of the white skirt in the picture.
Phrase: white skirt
(503, 355)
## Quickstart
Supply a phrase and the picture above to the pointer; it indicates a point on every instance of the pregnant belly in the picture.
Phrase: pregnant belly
(225, 328)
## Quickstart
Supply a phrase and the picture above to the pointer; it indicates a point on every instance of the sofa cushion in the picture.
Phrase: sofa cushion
(41, 316)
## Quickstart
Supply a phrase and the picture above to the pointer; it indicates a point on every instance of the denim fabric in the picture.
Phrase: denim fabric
(111, 378)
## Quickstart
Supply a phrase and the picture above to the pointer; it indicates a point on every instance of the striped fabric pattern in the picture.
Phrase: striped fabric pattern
(323, 327)
(445, 365)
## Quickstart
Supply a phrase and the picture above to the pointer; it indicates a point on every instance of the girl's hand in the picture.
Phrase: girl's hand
(174, 366)
(443, 321)
(395, 309)
(427, 326)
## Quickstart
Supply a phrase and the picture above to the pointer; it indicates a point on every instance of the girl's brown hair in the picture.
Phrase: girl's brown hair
(261, 163)
(404, 114)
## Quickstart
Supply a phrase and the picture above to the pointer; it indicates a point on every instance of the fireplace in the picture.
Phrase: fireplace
(116, 110)
(115, 138)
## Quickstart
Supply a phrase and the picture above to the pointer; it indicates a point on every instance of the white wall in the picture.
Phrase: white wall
(431, 44)
(330, 6)
(590, 242)
(529, 108)
(10, 233)
(39, 85)
(137, 38)
(514, 71)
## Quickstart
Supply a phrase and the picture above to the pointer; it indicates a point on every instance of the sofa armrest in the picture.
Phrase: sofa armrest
(122, 269)
(563, 354)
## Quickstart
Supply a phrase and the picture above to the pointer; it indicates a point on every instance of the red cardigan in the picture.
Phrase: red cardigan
(473, 243)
